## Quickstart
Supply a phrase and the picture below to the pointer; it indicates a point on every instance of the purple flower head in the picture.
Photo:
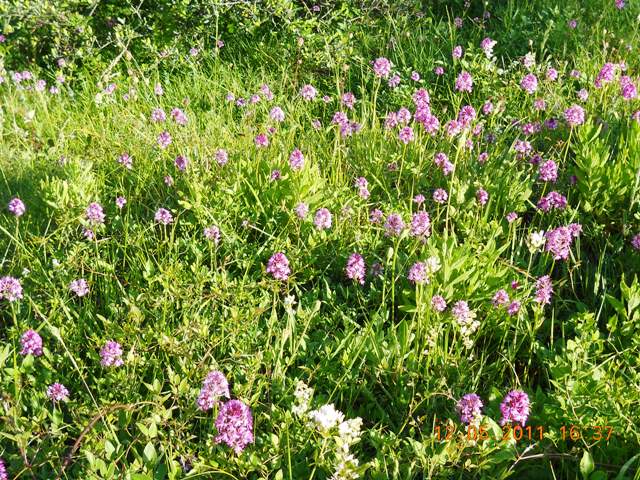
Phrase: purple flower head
(440, 196)
(322, 219)
(559, 242)
(111, 354)
(261, 140)
(419, 199)
(548, 171)
(348, 100)
(120, 202)
(126, 161)
(635, 241)
(500, 298)
(179, 116)
(158, 90)
(394, 225)
(235, 425)
(544, 290)
(529, 83)
(181, 162)
(461, 311)
(158, 115)
(438, 71)
(296, 160)
(275, 175)
(457, 52)
(482, 196)
(394, 81)
(403, 116)
(3, 470)
(552, 74)
(356, 269)
(553, 200)
(418, 273)
(302, 210)
(406, 135)
(514, 308)
(375, 216)
(80, 287)
(381, 67)
(415, 76)
(163, 216)
(464, 82)
(469, 408)
(420, 225)
(278, 266)
(222, 157)
(511, 217)
(214, 386)
(438, 303)
(574, 115)
(308, 92)
(31, 343)
(212, 234)
(164, 139)
(58, 392)
(276, 114)
(487, 46)
(94, 214)
(168, 180)
(487, 107)
(16, 207)
(515, 408)
(466, 115)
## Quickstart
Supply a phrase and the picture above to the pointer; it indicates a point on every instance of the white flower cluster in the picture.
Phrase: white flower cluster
(536, 241)
(468, 326)
(331, 424)
(432, 265)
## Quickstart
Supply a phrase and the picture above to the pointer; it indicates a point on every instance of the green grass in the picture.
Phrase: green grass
(181, 306)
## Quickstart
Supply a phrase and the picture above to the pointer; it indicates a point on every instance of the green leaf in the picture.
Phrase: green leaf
(150, 454)
(586, 465)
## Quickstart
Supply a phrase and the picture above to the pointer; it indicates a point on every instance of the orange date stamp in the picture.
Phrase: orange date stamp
(530, 433)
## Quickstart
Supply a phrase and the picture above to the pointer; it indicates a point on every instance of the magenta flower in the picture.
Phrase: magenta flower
(164, 139)
(120, 202)
(464, 82)
(16, 207)
(94, 214)
(181, 162)
(235, 425)
(500, 298)
(126, 161)
(418, 273)
(415, 76)
(394, 225)
(559, 241)
(394, 81)
(406, 135)
(440, 196)
(158, 115)
(58, 392)
(514, 308)
(214, 386)
(322, 219)
(212, 234)
(469, 408)
(31, 343)
(302, 210)
(278, 266)
(111, 354)
(179, 116)
(3, 470)
(515, 408)
(356, 269)
(221, 157)
(635, 241)
(163, 216)
(168, 180)
(438, 70)
(375, 216)
(529, 83)
(553, 200)
(544, 290)
(461, 311)
(482, 196)
(261, 140)
(296, 160)
(348, 99)
(80, 287)
(548, 171)
(420, 225)
(308, 92)
(381, 67)
(438, 303)
(457, 52)
(487, 45)
(276, 114)
(552, 74)
(574, 115)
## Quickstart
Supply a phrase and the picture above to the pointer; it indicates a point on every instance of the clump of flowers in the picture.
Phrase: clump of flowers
(80, 287)
(111, 354)
(57, 392)
(574, 115)
(94, 214)
(212, 233)
(235, 425)
(16, 207)
(356, 269)
(278, 266)
(394, 225)
(381, 67)
(322, 219)
(10, 289)
(469, 408)
(421, 225)
(544, 290)
(559, 240)
(515, 408)
(31, 343)
(214, 386)
(163, 216)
